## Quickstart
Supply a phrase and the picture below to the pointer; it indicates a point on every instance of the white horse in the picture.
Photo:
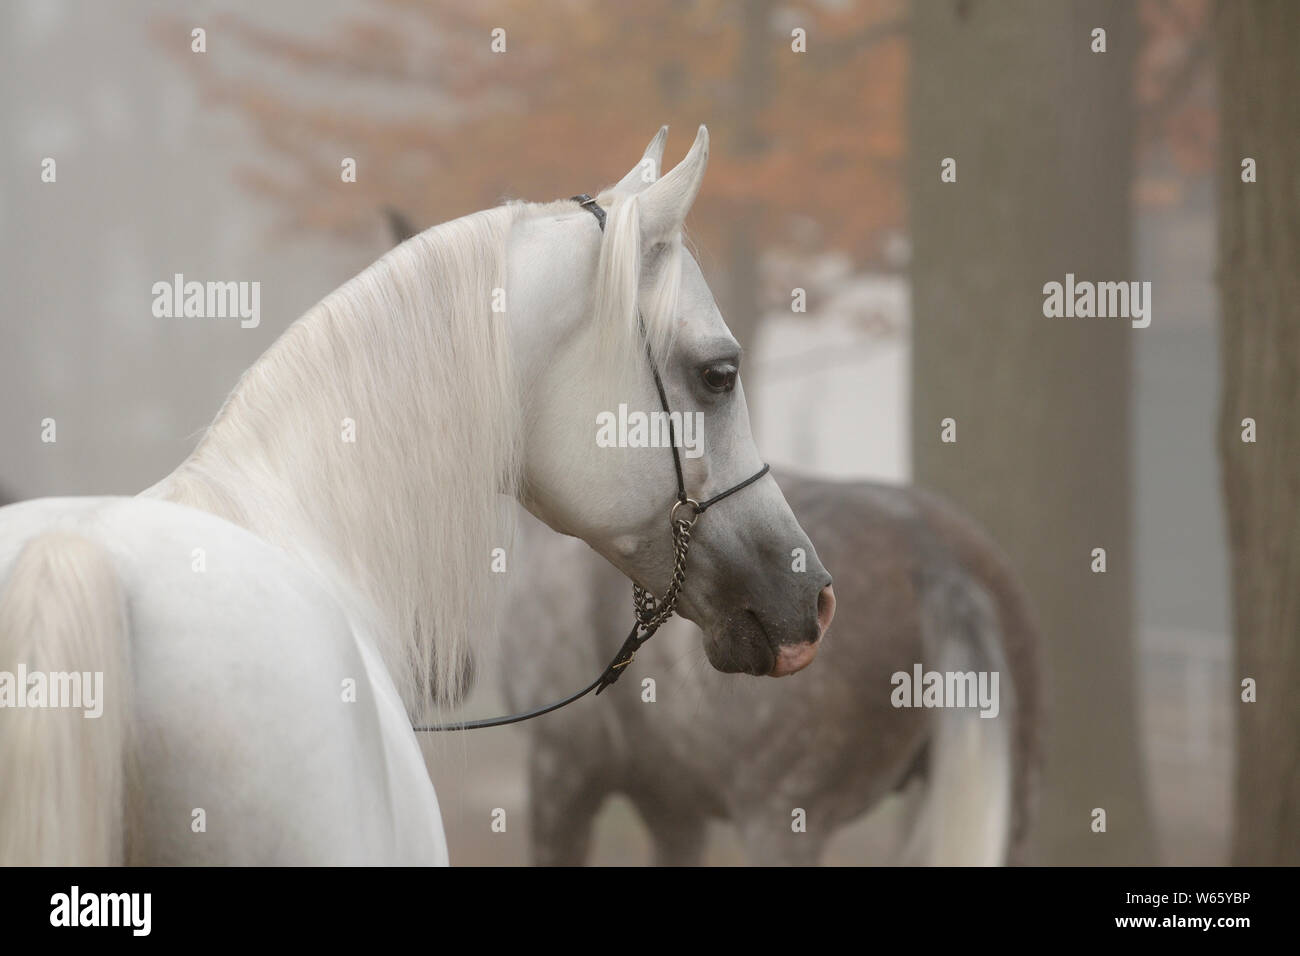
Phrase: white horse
(270, 617)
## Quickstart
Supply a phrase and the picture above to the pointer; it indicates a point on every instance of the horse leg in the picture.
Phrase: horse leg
(563, 798)
(678, 834)
(913, 846)
(769, 840)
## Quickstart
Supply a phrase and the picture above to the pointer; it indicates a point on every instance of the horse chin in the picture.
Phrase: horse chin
(740, 645)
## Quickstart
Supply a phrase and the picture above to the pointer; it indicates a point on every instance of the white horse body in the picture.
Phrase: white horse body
(282, 769)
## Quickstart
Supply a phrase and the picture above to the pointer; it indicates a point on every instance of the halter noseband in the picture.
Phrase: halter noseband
(650, 612)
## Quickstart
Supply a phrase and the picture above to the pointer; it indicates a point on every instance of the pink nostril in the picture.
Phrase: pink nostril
(825, 610)
(794, 657)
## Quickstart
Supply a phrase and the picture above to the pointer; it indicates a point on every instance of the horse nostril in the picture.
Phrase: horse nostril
(825, 610)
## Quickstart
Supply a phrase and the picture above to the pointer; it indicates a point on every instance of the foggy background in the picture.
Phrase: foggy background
(225, 166)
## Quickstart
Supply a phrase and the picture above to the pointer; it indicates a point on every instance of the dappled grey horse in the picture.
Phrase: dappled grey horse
(919, 589)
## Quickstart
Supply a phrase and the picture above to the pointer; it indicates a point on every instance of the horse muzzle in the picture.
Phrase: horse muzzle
(791, 658)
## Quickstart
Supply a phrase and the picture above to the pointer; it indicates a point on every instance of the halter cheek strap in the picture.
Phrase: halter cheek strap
(650, 612)
(586, 202)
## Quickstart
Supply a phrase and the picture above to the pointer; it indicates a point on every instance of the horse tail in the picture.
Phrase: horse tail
(62, 787)
(966, 811)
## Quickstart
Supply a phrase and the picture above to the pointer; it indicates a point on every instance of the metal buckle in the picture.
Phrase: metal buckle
(695, 508)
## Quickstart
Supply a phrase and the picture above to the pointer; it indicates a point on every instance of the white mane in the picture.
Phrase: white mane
(618, 282)
(411, 351)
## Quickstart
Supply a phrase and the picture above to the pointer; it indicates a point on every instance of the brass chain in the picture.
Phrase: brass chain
(651, 613)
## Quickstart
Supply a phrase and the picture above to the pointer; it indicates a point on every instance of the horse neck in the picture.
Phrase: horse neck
(373, 439)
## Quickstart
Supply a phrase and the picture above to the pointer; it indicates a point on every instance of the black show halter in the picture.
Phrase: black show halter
(650, 612)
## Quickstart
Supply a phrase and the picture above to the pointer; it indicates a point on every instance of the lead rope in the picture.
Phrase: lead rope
(651, 613)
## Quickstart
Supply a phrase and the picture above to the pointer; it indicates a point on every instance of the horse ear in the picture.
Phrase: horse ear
(664, 205)
(645, 172)
(399, 226)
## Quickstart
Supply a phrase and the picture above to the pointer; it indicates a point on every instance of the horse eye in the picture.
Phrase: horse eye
(720, 378)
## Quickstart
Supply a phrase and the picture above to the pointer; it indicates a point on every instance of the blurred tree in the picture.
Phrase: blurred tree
(1042, 131)
(1175, 85)
(807, 146)
(1259, 286)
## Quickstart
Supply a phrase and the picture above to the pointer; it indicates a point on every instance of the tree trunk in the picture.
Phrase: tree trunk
(752, 86)
(1042, 131)
(1259, 283)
